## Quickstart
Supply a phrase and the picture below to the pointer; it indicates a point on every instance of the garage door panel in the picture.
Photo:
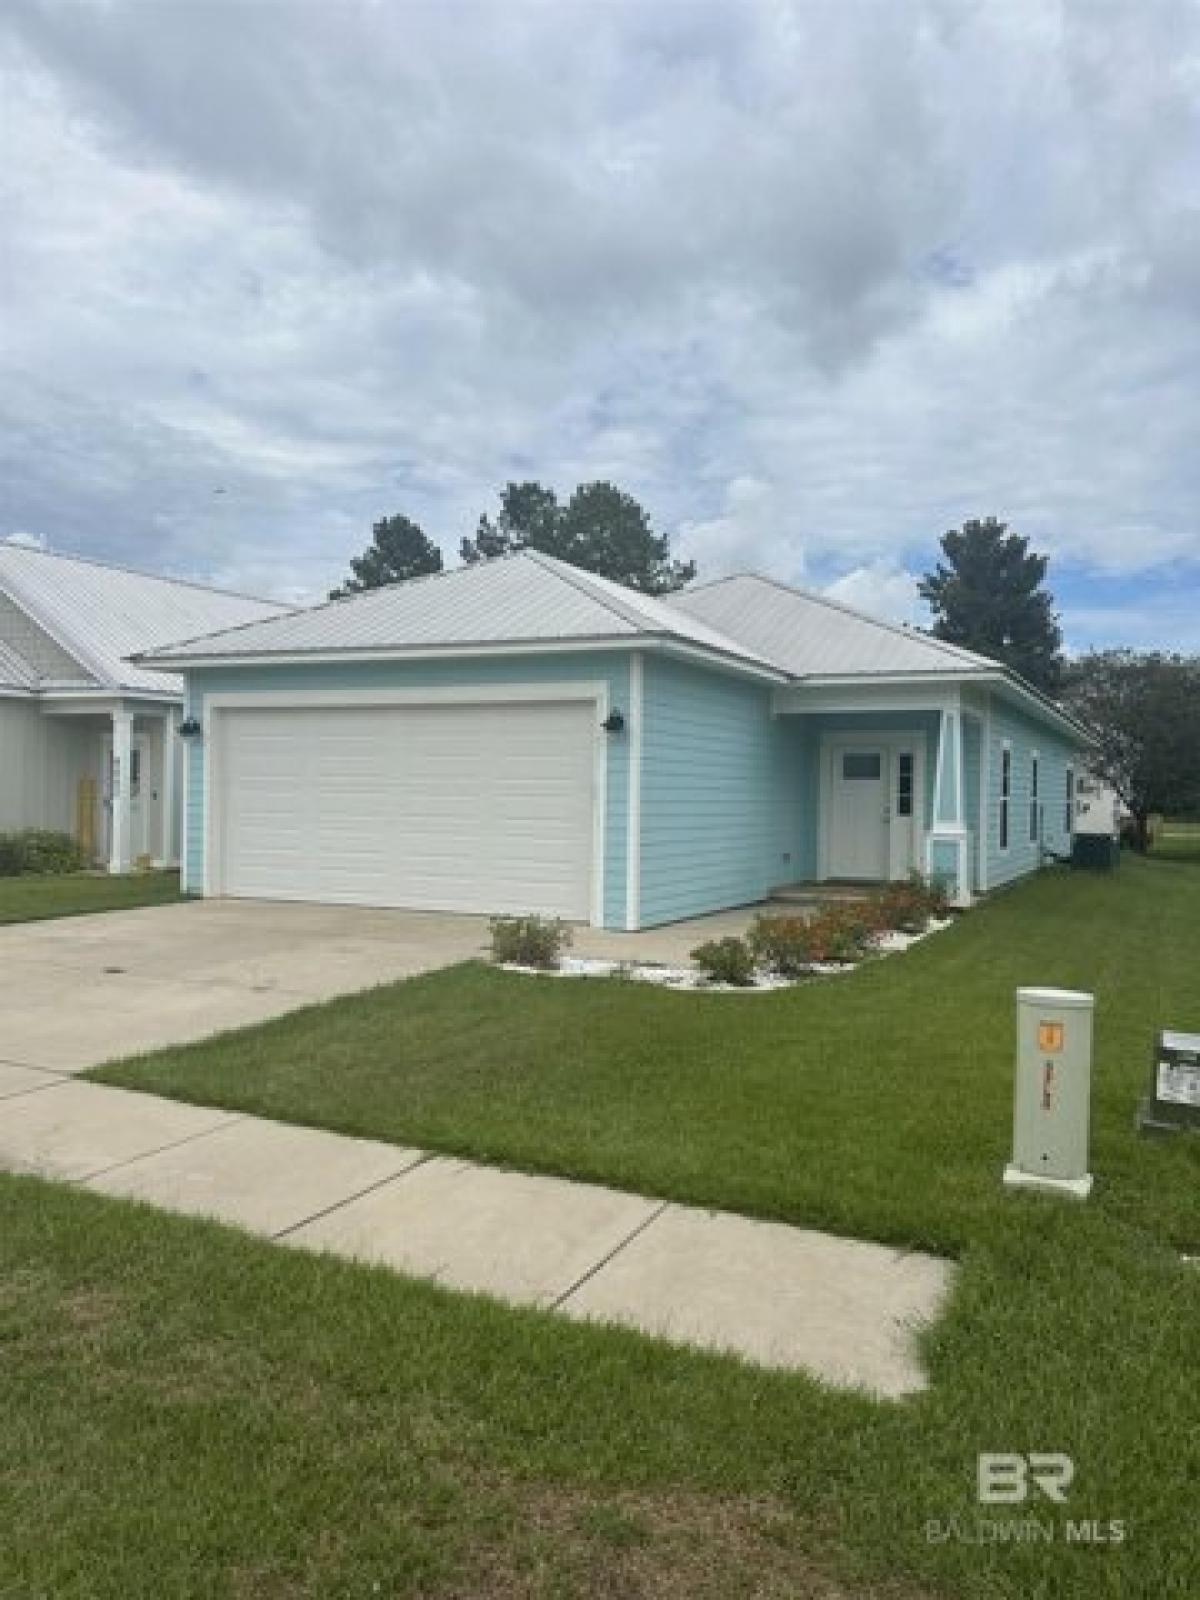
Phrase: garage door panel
(482, 807)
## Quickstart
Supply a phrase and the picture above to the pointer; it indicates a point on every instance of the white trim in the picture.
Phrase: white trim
(985, 791)
(120, 814)
(595, 691)
(1033, 822)
(170, 725)
(892, 741)
(185, 810)
(633, 833)
(668, 644)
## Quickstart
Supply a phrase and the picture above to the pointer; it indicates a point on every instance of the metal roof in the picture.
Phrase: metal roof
(15, 672)
(523, 599)
(809, 635)
(103, 614)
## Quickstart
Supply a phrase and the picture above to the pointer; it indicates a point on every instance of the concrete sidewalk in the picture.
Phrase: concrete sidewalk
(840, 1309)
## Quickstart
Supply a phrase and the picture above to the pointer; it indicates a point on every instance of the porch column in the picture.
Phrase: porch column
(170, 754)
(121, 820)
(948, 855)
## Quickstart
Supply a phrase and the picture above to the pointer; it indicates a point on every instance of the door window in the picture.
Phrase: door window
(904, 784)
(859, 765)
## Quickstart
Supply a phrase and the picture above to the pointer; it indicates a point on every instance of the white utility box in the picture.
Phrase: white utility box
(1052, 1101)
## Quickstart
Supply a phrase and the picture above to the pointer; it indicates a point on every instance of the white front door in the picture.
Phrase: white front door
(859, 816)
(873, 800)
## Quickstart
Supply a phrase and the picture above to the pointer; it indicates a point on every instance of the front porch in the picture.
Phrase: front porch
(886, 785)
(123, 775)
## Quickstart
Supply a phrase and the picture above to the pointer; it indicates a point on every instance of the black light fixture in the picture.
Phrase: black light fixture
(189, 728)
(613, 722)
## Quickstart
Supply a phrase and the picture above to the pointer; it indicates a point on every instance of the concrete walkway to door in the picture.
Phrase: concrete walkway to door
(840, 1309)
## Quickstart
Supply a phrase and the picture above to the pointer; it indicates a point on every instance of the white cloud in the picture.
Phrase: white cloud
(815, 283)
(883, 590)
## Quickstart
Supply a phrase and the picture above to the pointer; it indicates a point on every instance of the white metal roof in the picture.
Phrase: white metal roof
(103, 614)
(810, 635)
(524, 599)
(15, 672)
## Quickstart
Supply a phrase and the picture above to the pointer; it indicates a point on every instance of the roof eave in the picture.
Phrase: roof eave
(669, 643)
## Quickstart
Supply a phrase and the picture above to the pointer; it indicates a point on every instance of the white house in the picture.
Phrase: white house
(89, 742)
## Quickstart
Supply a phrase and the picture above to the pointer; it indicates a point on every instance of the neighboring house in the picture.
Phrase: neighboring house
(88, 742)
(1099, 809)
(520, 735)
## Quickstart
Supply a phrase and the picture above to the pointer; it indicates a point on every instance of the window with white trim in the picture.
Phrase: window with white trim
(1069, 806)
(1005, 793)
(1035, 767)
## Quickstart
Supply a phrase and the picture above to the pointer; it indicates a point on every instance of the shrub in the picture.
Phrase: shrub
(790, 945)
(842, 932)
(781, 944)
(908, 906)
(726, 961)
(529, 941)
(37, 851)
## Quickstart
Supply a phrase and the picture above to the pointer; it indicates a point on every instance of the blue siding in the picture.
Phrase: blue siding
(1055, 754)
(610, 667)
(716, 767)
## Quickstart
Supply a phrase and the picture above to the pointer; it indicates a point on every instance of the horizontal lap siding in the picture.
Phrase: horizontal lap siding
(1025, 735)
(715, 771)
(610, 668)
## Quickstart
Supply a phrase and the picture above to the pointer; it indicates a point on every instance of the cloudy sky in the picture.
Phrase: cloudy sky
(814, 281)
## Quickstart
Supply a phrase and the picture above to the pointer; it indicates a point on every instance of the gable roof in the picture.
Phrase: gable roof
(15, 671)
(522, 599)
(100, 615)
(813, 636)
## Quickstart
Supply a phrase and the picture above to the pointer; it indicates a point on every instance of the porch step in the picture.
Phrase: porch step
(812, 894)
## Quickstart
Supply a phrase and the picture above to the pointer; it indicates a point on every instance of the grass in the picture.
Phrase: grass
(35, 899)
(191, 1412)
(877, 1104)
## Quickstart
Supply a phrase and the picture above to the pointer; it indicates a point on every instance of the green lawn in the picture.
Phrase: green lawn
(34, 899)
(190, 1412)
(877, 1104)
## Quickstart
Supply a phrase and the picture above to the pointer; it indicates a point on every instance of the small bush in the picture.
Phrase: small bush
(726, 961)
(909, 905)
(529, 941)
(36, 851)
(781, 944)
(790, 945)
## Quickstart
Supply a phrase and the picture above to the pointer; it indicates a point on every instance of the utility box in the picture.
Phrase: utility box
(1174, 1099)
(1052, 1099)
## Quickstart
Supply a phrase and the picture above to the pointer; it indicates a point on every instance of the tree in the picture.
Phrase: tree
(987, 595)
(601, 528)
(1144, 710)
(399, 549)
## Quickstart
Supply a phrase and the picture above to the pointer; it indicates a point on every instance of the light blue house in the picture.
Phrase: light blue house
(523, 736)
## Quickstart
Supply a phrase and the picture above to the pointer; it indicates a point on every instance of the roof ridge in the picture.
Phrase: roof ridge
(899, 628)
(140, 572)
(566, 573)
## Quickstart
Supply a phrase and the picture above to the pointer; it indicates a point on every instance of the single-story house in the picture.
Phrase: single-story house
(88, 741)
(520, 735)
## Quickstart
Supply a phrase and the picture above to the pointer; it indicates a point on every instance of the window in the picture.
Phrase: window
(1005, 794)
(904, 784)
(858, 765)
(135, 772)
(1069, 808)
(1034, 807)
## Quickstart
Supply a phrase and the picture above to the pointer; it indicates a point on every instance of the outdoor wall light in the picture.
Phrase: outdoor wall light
(189, 728)
(613, 722)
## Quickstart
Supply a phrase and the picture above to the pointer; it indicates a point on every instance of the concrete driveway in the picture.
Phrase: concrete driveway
(81, 990)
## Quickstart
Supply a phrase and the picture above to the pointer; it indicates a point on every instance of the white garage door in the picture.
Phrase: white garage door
(482, 807)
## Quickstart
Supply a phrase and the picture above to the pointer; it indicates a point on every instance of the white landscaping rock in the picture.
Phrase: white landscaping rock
(886, 944)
